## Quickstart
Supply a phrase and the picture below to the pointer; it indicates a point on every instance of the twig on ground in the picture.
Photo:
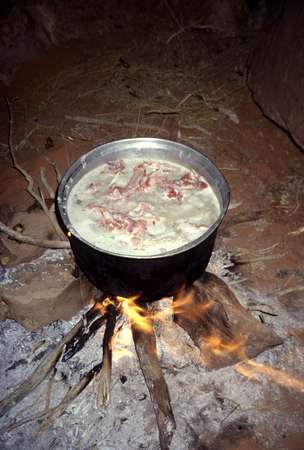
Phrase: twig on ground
(191, 27)
(263, 312)
(174, 17)
(241, 259)
(26, 137)
(39, 374)
(164, 111)
(105, 121)
(46, 183)
(52, 414)
(296, 232)
(55, 168)
(69, 397)
(290, 290)
(30, 183)
(183, 100)
(21, 422)
(45, 243)
(49, 392)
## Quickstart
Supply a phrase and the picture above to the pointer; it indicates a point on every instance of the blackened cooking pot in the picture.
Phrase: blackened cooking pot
(152, 277)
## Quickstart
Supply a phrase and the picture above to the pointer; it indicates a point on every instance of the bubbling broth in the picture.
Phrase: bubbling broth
(141, 207)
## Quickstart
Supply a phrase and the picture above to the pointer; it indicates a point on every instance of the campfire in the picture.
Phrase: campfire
(208, 311)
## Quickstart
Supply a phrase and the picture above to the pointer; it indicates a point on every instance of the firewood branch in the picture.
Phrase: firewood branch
(45, 243)
(92, 321)
(43, 369)
(46, 183)
(145, 345)
(36, 378)
(48, 416)
(69, 397)
(104, 377)
(30, 183)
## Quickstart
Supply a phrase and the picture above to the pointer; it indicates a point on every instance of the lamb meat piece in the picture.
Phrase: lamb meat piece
(138, 182)
(116, 166)
(114, 220)
(171, 192)
(191, 180)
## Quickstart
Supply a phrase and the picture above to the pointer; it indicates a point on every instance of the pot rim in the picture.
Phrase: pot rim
(61, 199)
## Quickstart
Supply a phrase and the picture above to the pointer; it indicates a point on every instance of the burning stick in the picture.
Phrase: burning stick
(92, 321)
(219, 326)
(104, 378)
(145, 345)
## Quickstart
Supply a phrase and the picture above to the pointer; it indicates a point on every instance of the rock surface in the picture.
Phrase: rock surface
(276, 75)
(41, 292)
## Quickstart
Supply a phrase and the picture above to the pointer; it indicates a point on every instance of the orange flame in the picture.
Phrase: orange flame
(184, 304)
(101, 307)
(220, 347)
(191, 310)
(136, 313)
(251, 369)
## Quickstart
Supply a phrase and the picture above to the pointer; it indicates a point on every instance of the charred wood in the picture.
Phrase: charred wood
(223, 330)
(41, 372)
(145, 345)
(104, 378)
(92, 321)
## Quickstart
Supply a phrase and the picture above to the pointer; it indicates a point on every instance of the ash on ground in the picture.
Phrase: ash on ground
(225, 408)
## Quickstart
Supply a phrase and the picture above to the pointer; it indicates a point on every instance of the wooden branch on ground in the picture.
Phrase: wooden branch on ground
(45, 243)
(41, 372)
(46, 183)
(223, 330)
(104, 377)
(69, 397)
(49, 415)
(55, 168)
(105, 121)
(242, 217)
(30, 183)
(145, 345)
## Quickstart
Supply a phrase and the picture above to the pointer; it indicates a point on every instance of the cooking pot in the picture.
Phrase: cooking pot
(151, 277)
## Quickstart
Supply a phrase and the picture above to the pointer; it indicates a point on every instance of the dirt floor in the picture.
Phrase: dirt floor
(192, 90)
